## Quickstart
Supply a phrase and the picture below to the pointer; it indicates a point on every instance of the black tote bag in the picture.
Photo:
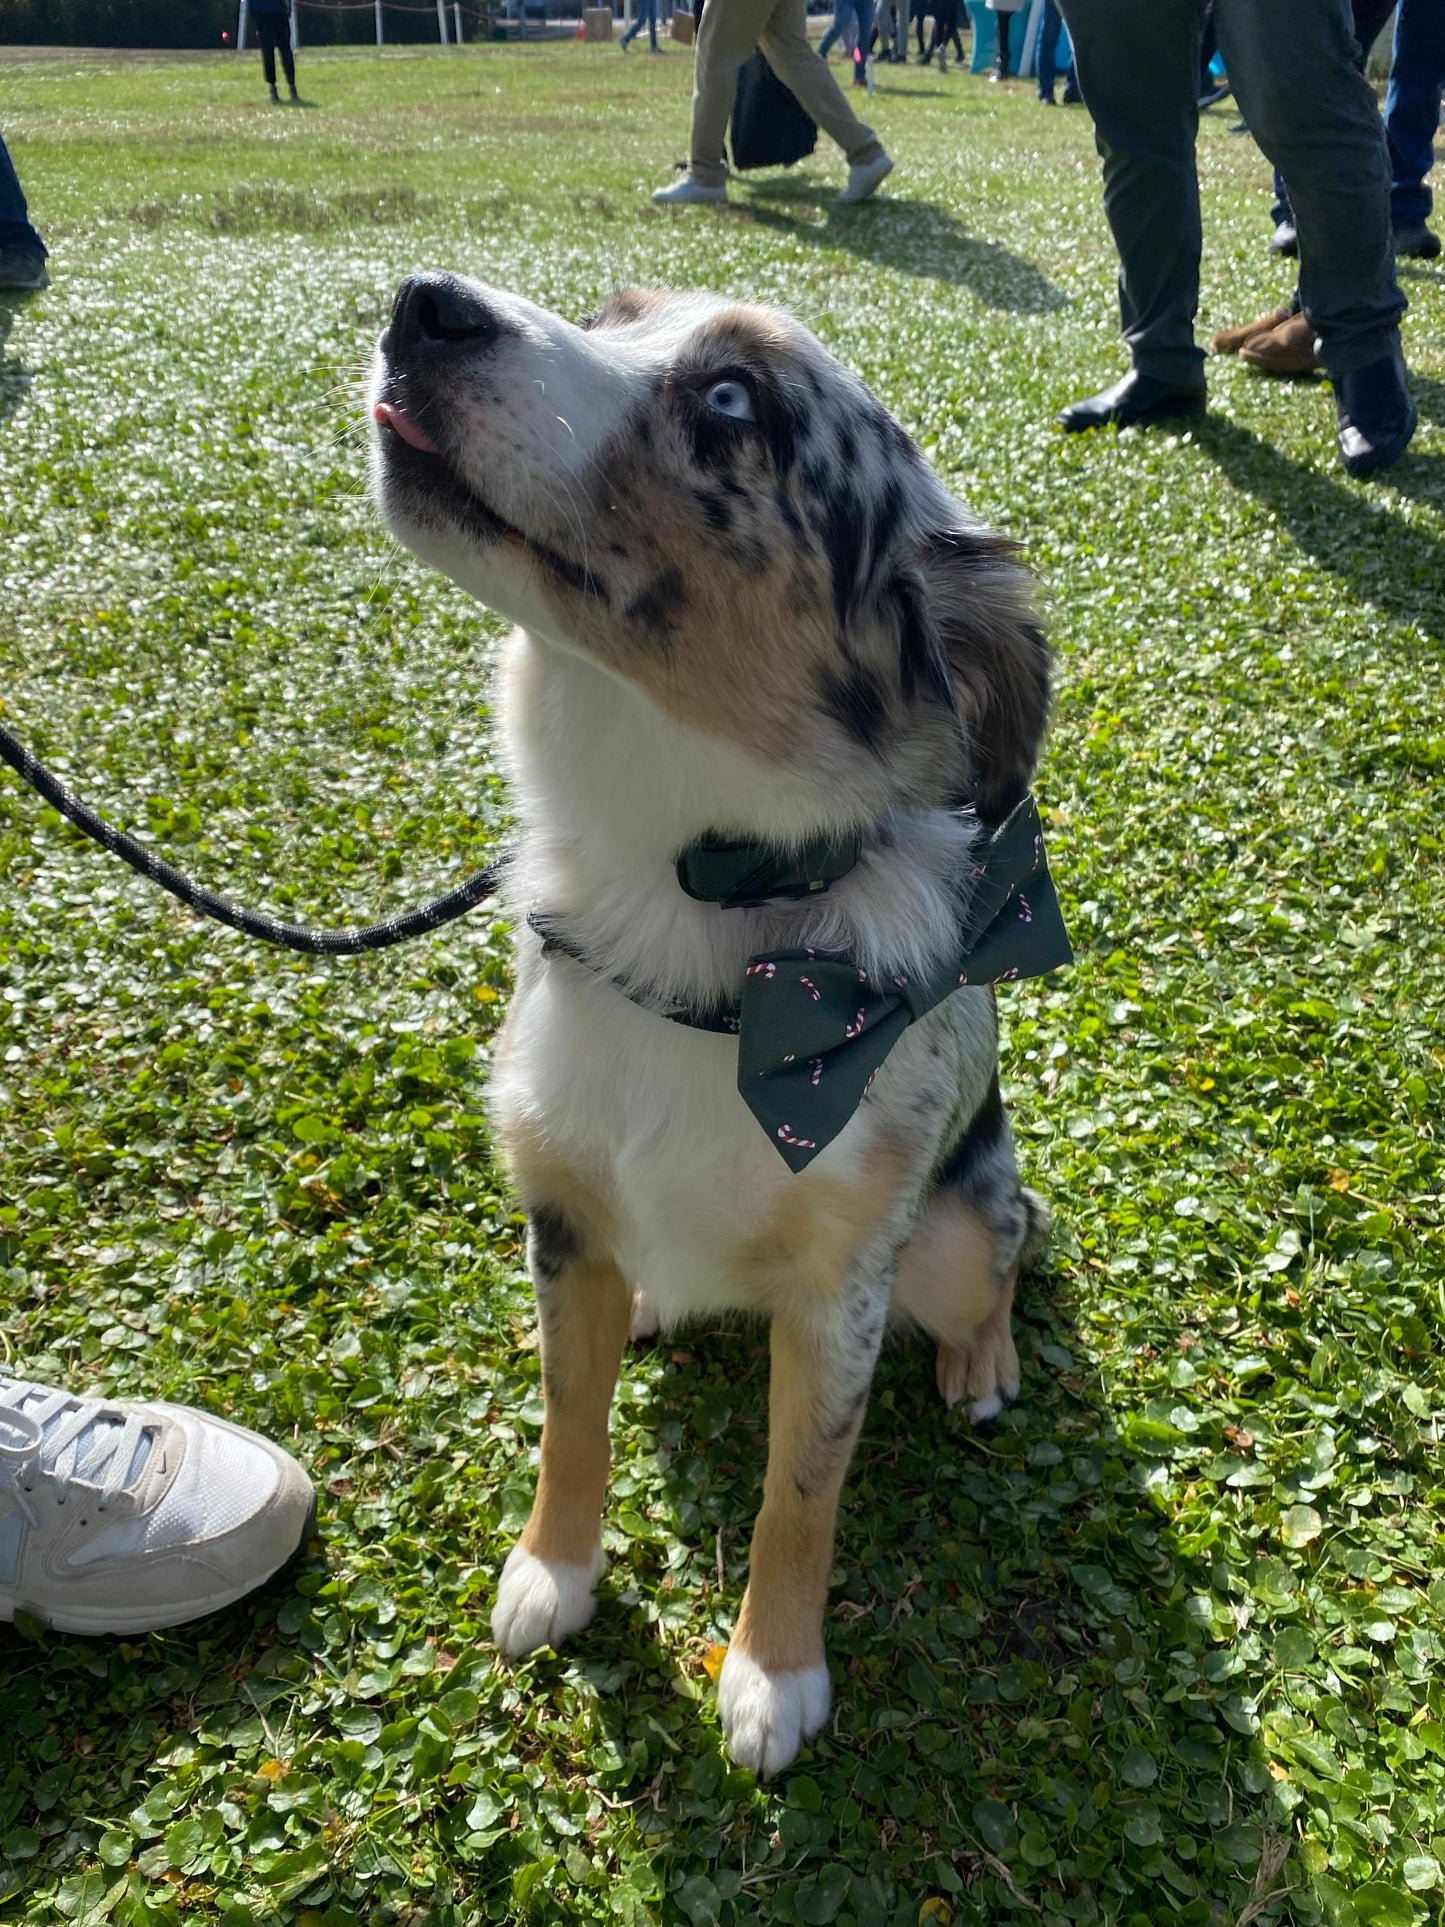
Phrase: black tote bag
(769, 128)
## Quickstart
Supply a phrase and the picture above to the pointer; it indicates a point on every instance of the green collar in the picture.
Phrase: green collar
(742, 875)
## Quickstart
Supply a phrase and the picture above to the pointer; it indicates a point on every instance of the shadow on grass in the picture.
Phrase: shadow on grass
(1041, 1696)
(14, 378)
(913, 237)
(1392, 566)
(1039, 1693)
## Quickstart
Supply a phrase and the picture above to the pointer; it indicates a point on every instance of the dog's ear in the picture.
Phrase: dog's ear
(970, 637)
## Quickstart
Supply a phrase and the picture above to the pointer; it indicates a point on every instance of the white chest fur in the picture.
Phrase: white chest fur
(645, 1112)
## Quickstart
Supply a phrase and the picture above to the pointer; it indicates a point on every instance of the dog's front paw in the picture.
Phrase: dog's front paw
(767, 1717)
(539, 1604)
(985, 1371)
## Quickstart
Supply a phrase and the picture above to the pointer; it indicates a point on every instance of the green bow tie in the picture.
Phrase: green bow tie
(813, 1028)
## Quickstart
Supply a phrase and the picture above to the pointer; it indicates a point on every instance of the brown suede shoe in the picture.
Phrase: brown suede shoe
(1288, 350)
(1229, 341)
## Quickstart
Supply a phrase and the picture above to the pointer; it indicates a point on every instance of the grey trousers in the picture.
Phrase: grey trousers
(1292, 64)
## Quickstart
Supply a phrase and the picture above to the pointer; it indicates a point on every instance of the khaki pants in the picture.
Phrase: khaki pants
(730, 30)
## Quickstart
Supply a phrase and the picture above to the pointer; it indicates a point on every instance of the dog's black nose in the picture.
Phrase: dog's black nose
(432, 308)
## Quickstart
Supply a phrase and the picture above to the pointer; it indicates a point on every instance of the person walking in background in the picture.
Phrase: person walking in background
(945, 26)
(1296, 78)
(1050, 27)
(273, 30)
(1003, 12)
(854, 14)
(893, 26)
(645, 16)
(22, 252)
(728, 34)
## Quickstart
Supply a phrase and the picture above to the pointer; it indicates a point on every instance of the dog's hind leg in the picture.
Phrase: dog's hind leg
(957, 1274)
(545, 1591)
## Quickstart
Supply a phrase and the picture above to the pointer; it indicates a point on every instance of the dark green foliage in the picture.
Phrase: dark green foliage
(115, 23)
(1163, 1645)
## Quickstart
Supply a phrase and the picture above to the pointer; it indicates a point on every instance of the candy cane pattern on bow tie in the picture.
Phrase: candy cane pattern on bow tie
(817, 1064)
(766, 971)
(811, 988)
(1009, 976)
(855, 1029)
(1026, 915)
(785, 1132)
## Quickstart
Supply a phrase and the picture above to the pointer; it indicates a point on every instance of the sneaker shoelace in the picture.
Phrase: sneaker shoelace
(69, 1440)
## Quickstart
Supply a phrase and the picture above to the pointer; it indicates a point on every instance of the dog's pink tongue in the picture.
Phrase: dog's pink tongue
(390, 416)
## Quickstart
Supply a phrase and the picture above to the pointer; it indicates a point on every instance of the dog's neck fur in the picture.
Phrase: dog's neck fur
(609, 790)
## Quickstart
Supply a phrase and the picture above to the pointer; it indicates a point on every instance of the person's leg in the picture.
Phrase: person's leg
(1145, 137)
(16, 230)
(1296, 77)
(288, 59)
(1048, 41)
(865, 35)
(266, 35)
(1412, 108)
(842, 19)
(651, 6)
(1003, 20)
(729, 32)
(785, 44)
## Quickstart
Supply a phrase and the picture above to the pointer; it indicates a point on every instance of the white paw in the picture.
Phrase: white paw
(985, 1372)
(645, 1322)
(766, 1717)
(540, 1604)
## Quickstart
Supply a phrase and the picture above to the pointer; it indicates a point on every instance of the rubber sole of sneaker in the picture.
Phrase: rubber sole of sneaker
(120, 1625)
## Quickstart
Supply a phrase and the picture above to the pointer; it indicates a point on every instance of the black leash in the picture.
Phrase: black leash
(252, 923)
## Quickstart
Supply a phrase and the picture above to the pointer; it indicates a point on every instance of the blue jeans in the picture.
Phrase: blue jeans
(1050, 27)
(845, 11)
(15, 228)
(645, 16)
(1412, 107)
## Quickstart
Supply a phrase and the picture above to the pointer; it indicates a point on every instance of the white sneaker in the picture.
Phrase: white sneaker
(126, 1517)
(862, 180)
(685, 191)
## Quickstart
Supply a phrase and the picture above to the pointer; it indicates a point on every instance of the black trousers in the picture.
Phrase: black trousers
(273, 30)
(1294, 68)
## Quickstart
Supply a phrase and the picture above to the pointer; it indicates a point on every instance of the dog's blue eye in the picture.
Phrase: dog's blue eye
(730, 398)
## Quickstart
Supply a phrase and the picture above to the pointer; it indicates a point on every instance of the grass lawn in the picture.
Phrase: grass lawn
(1162, 1645)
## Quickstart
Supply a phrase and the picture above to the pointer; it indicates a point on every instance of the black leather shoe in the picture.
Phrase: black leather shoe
(1376, 415)
(1137, 398)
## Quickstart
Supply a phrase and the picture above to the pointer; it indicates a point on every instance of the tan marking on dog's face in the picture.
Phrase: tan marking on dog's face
(693, 494)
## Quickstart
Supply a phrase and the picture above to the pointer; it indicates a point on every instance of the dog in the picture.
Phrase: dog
(749, 618)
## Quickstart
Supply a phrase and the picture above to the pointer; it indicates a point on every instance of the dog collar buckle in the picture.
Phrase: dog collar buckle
(739, 875)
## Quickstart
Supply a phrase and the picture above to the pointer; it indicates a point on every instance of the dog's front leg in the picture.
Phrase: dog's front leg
(545, 1591)
(773, 1693)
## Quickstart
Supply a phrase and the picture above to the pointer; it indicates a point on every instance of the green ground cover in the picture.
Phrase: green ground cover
(1165, 1643)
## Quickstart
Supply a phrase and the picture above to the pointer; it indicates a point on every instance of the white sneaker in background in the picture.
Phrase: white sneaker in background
(685, 192)
(862, 180)
(123, 1517)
